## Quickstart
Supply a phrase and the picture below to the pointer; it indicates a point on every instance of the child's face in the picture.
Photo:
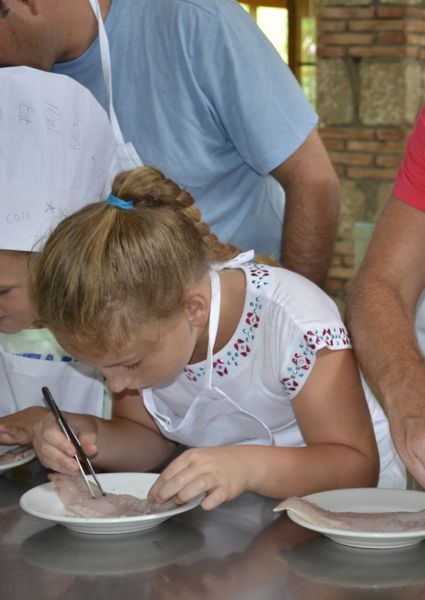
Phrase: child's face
(16, 310)
(164, 352)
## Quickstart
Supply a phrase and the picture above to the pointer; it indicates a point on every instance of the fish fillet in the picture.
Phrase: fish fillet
(76, 498)
(15, 454)
(384, 522)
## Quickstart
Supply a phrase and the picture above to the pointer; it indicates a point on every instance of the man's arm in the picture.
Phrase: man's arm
(312, 208)
(380, 313)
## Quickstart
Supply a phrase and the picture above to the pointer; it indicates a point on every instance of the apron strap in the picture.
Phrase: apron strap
(213, 325)
(105, 57)
(241, 259)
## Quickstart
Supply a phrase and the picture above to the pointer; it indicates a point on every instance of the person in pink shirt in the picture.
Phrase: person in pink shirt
(386, 308)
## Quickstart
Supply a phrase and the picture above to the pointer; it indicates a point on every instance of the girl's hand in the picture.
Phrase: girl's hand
(19, 427)
(222, 473)
(55, 451)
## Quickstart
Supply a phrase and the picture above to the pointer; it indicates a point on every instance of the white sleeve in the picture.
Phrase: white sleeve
(307, 320)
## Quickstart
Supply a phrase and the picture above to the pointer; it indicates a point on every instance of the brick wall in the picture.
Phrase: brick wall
(370, 87)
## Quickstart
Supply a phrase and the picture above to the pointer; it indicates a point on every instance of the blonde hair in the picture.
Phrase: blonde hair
(105, 269)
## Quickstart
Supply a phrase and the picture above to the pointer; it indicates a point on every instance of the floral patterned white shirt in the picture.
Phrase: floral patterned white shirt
(285, 321)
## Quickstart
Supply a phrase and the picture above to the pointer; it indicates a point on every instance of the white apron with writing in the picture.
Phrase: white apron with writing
(75, 387)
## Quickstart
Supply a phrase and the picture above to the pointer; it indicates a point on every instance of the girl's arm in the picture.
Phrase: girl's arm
(129, 441)
(341, 451)
(334, 419)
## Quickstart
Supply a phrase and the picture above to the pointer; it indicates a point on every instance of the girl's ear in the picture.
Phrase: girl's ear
(196, 306)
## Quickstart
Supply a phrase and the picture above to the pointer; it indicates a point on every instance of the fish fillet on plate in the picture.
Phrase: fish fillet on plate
(362, 517)
(124, 509)
(76, 498)
(385, 522)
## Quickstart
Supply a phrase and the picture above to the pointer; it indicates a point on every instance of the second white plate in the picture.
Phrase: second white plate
(367, 500)
(43, 502)
(14, 462)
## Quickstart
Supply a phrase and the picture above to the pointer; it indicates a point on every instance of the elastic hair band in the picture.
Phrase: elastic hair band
(119, 202)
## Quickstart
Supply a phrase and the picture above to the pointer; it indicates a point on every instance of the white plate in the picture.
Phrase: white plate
(367, 500)
(14, 463)
(43, 502)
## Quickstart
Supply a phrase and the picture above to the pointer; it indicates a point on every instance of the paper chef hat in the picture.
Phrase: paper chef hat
(58, 152)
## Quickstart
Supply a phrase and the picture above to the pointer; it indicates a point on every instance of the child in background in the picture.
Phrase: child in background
(29, 351)
(247, 364)
(58, 151)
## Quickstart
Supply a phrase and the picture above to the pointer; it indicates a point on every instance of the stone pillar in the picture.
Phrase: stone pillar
(370, 80)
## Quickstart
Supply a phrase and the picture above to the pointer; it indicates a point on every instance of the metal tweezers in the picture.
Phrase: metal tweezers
(80, 455)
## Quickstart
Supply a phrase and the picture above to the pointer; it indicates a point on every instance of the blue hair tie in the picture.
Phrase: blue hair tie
(119, 203)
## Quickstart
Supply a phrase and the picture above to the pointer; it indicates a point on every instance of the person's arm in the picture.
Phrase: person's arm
(20, 427)
(340, 451)
(129, 441)
(311, 211)
(380, 313)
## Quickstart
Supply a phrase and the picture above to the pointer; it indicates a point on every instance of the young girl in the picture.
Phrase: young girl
(247, 364)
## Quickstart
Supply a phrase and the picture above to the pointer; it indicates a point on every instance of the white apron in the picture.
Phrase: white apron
(126, 155)
(75, 387)
(213, 418)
